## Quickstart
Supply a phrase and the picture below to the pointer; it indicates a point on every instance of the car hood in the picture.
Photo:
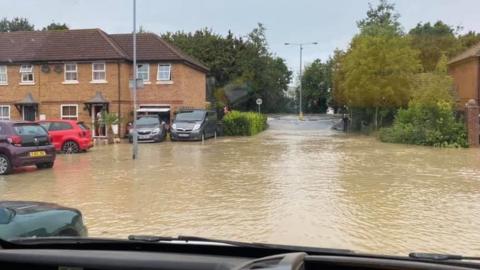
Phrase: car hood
(186, 124)
(29, 207)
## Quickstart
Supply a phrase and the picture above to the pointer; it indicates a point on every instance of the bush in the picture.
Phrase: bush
(421, 124)
(238, 123)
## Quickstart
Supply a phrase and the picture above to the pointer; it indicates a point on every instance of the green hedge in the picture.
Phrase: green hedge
(433, 125)
(238, 123)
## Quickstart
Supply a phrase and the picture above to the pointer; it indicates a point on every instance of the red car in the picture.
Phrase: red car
(69, 136)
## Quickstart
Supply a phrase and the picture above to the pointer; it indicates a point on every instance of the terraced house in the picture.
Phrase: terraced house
(75, 74)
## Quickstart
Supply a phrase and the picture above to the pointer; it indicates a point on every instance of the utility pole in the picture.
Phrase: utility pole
(300, 45)
(135, 136)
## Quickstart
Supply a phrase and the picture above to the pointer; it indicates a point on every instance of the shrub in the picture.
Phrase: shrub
(421, 124)
(238, 123)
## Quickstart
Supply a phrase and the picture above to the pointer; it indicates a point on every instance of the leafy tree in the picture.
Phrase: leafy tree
(380, 19)
(378, 72)
(15, 24)
(469, 39)
(316, 86)
(55, 27)
(433, 41)
(337, 78)
(239, 62)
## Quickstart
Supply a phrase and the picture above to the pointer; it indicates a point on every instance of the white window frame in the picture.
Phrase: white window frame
(9, 112)
(147, 80)
(6, 75)
(24, 70)
(104, 80)
(159, 79)
(65, 71)
(68, 117)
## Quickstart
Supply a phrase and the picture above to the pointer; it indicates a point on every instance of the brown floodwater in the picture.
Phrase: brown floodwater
(297, 183)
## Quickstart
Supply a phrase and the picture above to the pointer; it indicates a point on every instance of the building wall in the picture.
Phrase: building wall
(466, 80)
(186, 89)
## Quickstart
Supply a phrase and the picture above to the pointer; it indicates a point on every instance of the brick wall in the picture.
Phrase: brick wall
(187, 88)
(465, 76)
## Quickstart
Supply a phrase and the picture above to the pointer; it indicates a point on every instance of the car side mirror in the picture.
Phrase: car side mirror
(6, 215)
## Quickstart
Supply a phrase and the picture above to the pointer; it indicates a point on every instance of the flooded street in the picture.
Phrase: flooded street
(297, 183)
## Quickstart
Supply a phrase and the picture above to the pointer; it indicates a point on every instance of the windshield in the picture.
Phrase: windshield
(190, 116)
(350, 124)
(27, 130)
(148, 121)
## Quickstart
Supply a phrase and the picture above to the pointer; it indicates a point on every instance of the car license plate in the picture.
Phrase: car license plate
(183, 135)
(143, 136)
(38, 154)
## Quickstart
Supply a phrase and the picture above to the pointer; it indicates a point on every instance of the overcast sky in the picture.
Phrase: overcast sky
(330, 23)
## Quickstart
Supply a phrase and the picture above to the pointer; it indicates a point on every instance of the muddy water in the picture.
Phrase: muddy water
(297, 183)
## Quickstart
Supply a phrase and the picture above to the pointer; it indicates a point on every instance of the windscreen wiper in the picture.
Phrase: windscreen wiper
(441, 257)
(199, 240)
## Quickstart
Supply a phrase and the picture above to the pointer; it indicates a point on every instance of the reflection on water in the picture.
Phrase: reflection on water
(297, 183)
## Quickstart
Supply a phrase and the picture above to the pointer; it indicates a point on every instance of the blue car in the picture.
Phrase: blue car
(37, 219)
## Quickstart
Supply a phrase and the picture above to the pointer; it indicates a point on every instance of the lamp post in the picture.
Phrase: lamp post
(134, 88)
(300, 45)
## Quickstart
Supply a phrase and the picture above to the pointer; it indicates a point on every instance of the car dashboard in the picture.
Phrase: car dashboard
(65, 259)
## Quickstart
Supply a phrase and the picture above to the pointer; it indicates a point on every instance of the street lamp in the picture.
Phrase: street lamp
(135, 136)
(300, 45)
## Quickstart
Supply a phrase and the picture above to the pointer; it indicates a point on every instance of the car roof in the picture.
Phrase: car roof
(193, 110)
(59, 120)
(13, 122)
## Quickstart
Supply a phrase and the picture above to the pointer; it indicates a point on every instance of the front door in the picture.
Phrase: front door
(99, 129)
(29, 113)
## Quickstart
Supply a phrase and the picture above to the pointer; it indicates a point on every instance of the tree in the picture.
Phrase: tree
(55, 27)
(337, 78)
(15, 24)
(433, 87)
(469, 39)
(380, 19)
(429, 118)
(316, 86)
(379, 71)
(432, 41)
(239, 62)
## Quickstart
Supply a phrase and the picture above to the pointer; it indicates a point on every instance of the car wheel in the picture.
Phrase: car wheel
(70, 147)
(5, 165)
(45, 165)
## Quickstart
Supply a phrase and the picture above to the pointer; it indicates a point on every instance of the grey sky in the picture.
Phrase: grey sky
(331, 23)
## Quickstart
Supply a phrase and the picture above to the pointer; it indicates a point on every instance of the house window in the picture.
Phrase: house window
(4, 112)
(98, 72)
(164, 73)
(71, 72)
(3, 75)
(69, 111)
(26, 73)
(143, 71)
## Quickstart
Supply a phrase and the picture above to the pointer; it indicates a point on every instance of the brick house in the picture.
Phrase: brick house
(75, 74)
(465, 70)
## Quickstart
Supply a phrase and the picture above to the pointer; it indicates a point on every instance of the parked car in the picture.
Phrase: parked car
(24, 144)
(39, 219)
(68, 136)
(197, 124)
(149, 129)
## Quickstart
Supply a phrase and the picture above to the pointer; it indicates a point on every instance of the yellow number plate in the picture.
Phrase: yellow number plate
(38, 154)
